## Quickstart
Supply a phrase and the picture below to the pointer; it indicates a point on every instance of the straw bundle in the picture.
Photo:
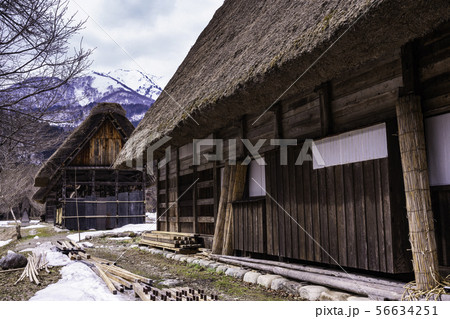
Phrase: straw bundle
(417, 191)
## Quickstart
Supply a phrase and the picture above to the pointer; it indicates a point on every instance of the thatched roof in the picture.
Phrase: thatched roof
(253, 50)
(79, 136)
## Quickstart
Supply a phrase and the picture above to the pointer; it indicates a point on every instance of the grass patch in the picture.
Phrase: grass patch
(24, 290)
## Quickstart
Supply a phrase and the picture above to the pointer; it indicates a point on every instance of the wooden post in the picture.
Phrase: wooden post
(194, 200)
(64, 190)
(167, 210)
(144, 185)
(325, 108)
(158, 201)
(417, 191)
(116, 193)
(177, 190)
(93, 182)
(238, 186)
(221, 211)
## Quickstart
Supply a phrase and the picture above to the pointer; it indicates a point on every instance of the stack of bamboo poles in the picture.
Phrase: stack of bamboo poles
(180, 242)
(417, 190)
(36, 263)
(233, 184)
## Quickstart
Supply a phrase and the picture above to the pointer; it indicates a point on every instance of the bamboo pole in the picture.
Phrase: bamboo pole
(236, 194)
(221, 213)
(417, 190)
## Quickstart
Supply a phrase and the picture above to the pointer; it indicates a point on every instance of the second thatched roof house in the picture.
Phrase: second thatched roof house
(361, 78)
(79, 187)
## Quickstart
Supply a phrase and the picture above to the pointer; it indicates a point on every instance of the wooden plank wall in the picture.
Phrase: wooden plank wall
(249, 218)
(102, 149)
(441, 210)
(335, 215)
(434, 71)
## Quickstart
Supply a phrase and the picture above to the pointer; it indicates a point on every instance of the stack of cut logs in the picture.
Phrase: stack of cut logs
(36, 263)
(183, 243)
(118, 279)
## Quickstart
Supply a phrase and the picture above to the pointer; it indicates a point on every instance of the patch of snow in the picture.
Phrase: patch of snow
(7, 223)
(87, 244)
(54, 257)
(36, 237)
(78, 283)
(137, 228)
(34, 226)
(119, 238)
(5, 242)
(59, 230)
(34, 221)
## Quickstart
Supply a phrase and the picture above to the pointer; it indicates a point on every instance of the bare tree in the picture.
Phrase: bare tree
(36, 63)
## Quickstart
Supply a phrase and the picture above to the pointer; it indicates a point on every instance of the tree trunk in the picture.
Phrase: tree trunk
(417, 190)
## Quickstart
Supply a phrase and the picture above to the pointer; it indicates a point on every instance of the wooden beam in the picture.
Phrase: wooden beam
(326, 123)
(64, 190)
(156, 170)
(277, 121)
(194, 200)
(167, 194)
(410, 70)
(177, 191)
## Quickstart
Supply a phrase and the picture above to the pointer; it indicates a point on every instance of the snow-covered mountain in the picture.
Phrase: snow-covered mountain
(133, 89)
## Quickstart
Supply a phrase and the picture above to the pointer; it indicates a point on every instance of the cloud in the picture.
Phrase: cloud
(157, 34)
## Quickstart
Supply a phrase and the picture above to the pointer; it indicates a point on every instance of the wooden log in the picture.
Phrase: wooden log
(84, 255)
(102, 261)
(124, 273)
(116, 284)
(221, 212)
(107, 281)
(139, 291)
(360, 288)
(417, 190)
(125, 283)
(157, 243)
(236, 194)
(317, 270)
(173, 233)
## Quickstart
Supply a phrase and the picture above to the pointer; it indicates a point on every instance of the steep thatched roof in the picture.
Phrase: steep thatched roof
(79, 136)
(253, 50)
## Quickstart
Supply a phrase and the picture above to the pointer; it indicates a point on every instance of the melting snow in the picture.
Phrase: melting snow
(137, 228)
(120, 238)
(5, 242)
(34, 226)
(78, 283)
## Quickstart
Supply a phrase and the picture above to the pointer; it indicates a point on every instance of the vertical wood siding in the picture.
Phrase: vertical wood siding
(338, 215)
(102, 149)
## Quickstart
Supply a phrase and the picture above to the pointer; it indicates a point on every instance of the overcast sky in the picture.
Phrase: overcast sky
(157, 34)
